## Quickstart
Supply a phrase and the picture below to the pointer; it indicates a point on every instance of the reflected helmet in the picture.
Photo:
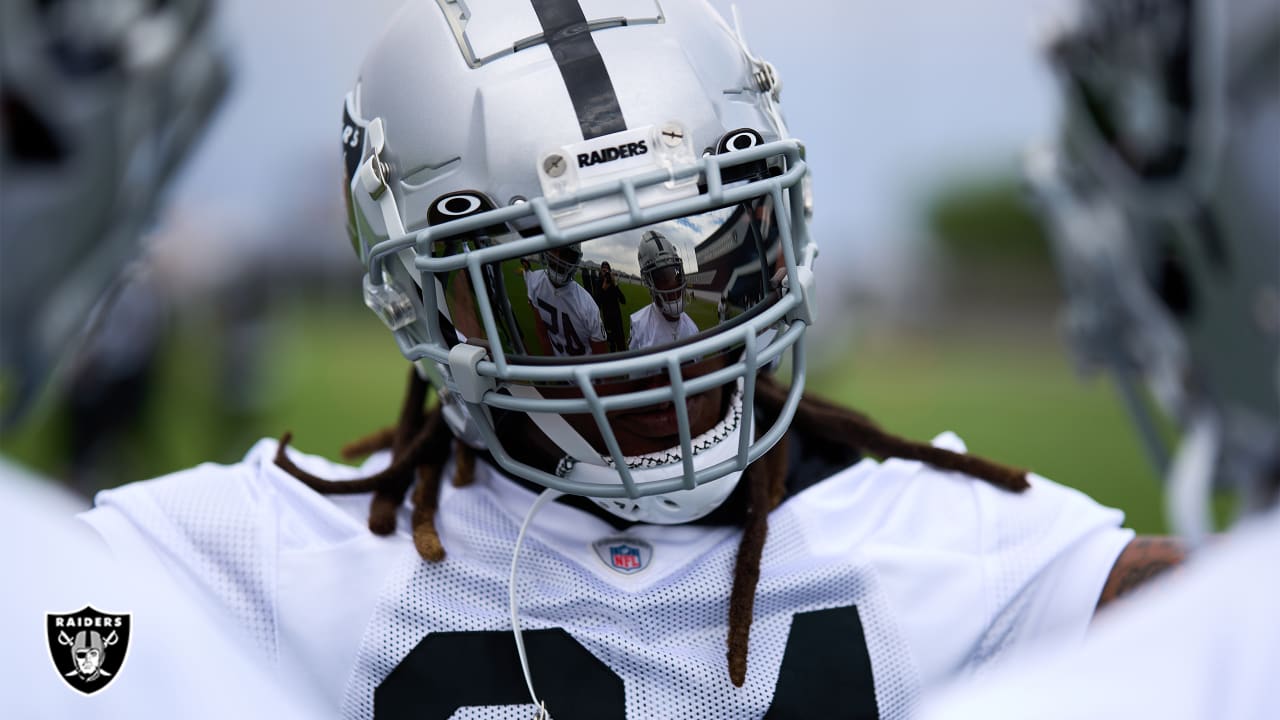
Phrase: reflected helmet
(484, 140)
(662, 271)
(562, 263)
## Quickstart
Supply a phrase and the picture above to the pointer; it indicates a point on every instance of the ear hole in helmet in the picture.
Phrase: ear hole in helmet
(27, 137)
(460, 204)
(742, 139)
(736, 141)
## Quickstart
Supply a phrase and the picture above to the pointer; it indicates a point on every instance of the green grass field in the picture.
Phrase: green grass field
(1012, 402)
(333, 374)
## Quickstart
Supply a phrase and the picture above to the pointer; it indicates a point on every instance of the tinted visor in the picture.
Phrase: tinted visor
(667, 281)
(725, 268)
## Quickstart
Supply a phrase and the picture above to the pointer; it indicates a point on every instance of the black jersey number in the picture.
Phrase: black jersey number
(820, 676)
(564, 336)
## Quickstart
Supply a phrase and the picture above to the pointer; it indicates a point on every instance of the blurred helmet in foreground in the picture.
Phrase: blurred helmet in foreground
(1164, 201)
(485, 139)
(99, 101)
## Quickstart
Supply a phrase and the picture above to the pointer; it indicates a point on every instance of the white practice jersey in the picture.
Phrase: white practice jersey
(1202, 644)
(650, 327)
(881, 580)
(177, 656)
(569, 312)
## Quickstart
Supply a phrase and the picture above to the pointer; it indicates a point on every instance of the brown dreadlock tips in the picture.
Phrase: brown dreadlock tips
(382, 515)
(737, 670)
(426, 499)
(427, 542)
(318, 484)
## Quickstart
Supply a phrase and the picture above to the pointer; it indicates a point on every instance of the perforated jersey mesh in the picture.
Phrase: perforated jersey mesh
(667, 643)
(205, 524)
(1010, 598)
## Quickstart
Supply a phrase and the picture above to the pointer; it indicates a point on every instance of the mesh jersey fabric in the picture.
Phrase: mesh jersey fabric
(1201, 644)
(946, 573)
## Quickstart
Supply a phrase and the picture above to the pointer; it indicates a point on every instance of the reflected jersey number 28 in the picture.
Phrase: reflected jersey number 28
(564, 336)
(825, 673)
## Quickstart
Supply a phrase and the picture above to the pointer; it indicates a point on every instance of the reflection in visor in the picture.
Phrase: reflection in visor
(667, 286)
(562, 263)
(665, 283)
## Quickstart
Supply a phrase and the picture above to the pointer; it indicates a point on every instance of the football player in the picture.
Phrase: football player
(658, 533)
(1163, 195)
(610, 299)
(662, 271)
(567, 317)
(99, 103)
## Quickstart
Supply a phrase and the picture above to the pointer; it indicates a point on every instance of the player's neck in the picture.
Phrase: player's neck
(731, 512)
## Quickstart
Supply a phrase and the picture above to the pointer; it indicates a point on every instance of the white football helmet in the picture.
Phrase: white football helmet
(99, 101)
(562, 263)
(1162, 198)
(481, 136)
(662, 272)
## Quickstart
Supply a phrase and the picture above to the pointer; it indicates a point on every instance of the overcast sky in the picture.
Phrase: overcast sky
(891, 99)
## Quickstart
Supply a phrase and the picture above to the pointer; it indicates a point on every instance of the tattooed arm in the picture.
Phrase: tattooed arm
(1146, 557)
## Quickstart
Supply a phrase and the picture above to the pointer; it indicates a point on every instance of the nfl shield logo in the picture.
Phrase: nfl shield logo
(88, 647)
(625, 555)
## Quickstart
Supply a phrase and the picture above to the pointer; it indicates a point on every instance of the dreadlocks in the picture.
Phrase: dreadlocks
(421, 444)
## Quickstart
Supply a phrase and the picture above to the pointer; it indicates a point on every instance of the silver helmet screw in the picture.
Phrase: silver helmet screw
(672, 135)
(554, 165)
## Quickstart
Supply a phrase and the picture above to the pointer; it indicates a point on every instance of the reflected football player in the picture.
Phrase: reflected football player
(567, 317)
(663, 321)
(611, 299)
(1162, 197)
(667, 532)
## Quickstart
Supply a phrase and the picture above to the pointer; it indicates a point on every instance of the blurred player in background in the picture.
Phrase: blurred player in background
(667, 532)
(1164, 199)
(99, 104)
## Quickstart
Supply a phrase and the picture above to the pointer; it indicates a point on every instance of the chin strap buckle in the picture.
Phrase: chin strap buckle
(464, 366)
(374, 175)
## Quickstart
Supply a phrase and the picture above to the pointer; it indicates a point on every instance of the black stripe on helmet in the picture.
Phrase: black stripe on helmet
(585, 77)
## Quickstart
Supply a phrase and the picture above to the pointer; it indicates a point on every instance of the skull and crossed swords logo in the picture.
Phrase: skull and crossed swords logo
(88, 647)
